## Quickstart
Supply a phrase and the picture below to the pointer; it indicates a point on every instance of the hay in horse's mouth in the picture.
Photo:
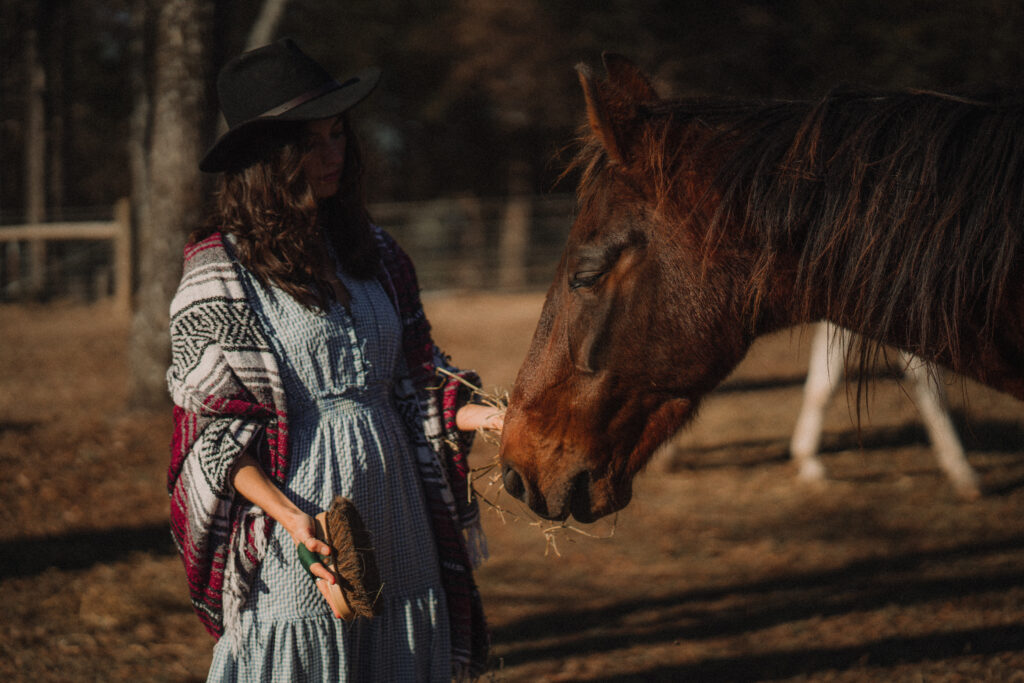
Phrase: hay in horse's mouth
(493, 473)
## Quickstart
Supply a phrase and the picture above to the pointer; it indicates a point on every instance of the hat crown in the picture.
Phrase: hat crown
(265, 92)
(258, 81)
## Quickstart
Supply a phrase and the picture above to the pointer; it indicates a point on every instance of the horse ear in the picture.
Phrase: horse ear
(612, 104)
(627, 78)
(598, 113)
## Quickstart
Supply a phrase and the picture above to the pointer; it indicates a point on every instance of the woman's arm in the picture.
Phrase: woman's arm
(252, 482)
(473, 416)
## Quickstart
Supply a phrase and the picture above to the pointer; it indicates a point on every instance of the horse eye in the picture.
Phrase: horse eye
(586, 278)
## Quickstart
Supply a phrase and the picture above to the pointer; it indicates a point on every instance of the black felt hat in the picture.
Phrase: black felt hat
(263, 91)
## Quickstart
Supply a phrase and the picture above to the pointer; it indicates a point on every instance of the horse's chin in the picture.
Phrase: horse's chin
(588, 514)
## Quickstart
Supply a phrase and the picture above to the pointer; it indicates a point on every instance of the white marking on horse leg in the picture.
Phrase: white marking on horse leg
(824, 373)
(930, 394)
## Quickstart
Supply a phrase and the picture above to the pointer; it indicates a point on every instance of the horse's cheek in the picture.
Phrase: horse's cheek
(545, 364)
(589, 334)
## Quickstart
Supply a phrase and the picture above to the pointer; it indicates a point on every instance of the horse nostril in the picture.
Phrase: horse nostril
(513, 482)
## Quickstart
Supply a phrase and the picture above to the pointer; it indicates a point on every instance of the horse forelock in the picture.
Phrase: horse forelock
(902, 210)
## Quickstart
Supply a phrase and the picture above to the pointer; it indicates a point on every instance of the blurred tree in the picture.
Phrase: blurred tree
(266, 24)
(404, 38)
(57, 59)
(507, 52)
(35, 154)
(171, 69)
(170, 187)
(459, 75)
(515, 55)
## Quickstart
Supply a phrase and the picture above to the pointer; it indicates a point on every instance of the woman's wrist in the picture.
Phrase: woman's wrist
(251, 482)
(298, 524)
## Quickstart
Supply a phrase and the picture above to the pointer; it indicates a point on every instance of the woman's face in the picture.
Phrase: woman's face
(325, 159)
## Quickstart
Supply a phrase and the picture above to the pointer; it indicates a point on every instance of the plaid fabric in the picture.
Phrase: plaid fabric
(227, 390)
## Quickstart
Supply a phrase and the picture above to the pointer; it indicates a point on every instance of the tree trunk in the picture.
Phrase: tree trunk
(35, 160)
(514, 242)
(58, 64)
(139, 123)
(174, 197)
(265, 26)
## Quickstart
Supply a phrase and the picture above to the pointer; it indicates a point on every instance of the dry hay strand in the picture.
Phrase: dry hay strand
(352, 557)
(494, 487)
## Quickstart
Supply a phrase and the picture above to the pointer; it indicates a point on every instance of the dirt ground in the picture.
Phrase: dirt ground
(723, 568)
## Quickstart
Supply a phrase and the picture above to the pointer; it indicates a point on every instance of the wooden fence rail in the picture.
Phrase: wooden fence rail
(504, 243)
(118, 231)
(456, 243)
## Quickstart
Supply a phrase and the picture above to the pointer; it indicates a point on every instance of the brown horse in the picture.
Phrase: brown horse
(703, 224)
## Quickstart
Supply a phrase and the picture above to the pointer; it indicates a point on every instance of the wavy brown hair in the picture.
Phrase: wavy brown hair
(281, 231)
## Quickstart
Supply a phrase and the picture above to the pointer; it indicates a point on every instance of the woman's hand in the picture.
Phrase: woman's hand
(473, 416)
(302, 526)
(250, 481)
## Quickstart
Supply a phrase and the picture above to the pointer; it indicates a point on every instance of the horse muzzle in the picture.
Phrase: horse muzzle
(573, 497)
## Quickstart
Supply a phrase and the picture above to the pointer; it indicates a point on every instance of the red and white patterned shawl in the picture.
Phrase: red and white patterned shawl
(227, 393)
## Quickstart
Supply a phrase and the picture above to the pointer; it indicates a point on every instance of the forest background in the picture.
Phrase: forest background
(471, 88)
(102, 99)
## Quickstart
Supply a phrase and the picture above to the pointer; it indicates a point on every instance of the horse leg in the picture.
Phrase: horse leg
(931, 403)
(825, 371)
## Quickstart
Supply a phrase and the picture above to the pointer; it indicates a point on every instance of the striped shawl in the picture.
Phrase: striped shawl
(228, 397)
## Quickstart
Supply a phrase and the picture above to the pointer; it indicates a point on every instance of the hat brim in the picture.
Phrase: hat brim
(239, 146)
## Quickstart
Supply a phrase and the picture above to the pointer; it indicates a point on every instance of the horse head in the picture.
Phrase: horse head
(635, 327)
(703, 223)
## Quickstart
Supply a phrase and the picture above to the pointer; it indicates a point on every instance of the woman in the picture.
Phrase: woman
(303, 369)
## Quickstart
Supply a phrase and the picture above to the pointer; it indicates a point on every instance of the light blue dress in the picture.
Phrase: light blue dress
(345, 437)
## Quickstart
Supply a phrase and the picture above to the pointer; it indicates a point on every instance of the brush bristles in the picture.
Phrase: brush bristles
(355, 563)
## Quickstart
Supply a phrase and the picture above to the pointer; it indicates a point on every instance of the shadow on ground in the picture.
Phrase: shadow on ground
(73, 550)
(861, 586)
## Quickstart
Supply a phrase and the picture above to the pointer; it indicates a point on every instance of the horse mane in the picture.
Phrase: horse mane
(906, 207)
